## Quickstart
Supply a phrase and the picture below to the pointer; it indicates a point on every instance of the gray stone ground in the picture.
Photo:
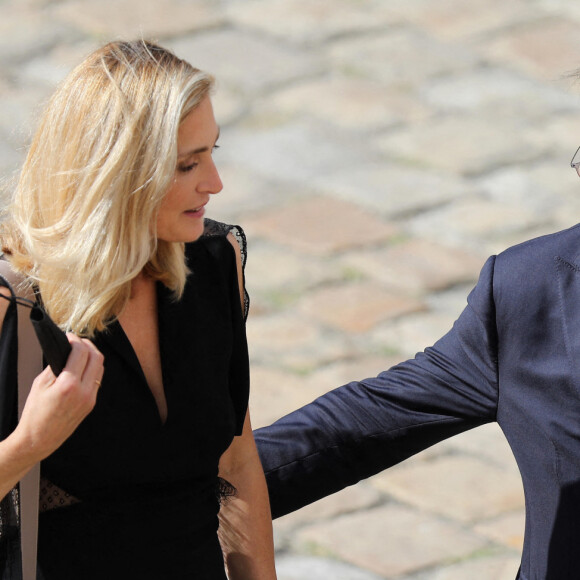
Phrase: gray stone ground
(376, 153)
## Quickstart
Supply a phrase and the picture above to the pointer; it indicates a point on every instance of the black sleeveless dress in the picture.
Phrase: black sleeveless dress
(144, 496)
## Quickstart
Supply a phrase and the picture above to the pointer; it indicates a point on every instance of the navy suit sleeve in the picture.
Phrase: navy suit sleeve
(363, 427)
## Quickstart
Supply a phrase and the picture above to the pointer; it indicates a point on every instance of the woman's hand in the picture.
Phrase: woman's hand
(54, 409)
(56, 406)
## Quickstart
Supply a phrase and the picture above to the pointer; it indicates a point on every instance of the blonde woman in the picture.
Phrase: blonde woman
(107, 224)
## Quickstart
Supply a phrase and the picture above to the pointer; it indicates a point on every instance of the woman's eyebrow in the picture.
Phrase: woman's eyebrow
(199, 149)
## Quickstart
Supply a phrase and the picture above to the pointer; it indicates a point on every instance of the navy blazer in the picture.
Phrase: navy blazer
(513, 356)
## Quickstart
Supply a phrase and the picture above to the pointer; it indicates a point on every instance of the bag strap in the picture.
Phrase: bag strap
(30, 364)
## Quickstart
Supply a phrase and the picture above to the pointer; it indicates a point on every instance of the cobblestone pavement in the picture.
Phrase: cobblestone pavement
(376, 152)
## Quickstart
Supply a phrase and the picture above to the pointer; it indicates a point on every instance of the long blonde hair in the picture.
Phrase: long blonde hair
(82, 222)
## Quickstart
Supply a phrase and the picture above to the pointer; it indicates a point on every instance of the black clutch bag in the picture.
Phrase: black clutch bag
(53, 341)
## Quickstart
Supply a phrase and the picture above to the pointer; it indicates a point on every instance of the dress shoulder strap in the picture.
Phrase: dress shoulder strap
(29, 365)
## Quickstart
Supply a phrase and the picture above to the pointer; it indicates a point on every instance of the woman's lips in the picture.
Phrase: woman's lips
(196, 213)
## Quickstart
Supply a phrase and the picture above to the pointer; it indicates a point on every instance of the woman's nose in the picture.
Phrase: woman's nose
(212, 182)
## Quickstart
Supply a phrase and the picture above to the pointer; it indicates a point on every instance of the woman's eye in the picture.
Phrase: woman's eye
(187, 168)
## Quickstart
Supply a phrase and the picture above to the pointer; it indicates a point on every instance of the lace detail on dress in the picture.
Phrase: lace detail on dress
(213, 228)
(51, 496)
(225, 490)
(9, 512)
(10, 557)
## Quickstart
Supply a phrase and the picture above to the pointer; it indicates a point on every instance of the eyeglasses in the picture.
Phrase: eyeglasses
(575, 163)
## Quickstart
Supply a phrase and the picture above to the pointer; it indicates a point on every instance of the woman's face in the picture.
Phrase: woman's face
(181, 214)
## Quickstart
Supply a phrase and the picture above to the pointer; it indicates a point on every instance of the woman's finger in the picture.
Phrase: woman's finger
(84, 364)
(93, 371)
(46, 378)
(77, 359)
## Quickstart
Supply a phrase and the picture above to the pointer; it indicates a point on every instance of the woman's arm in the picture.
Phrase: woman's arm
(245, 522)
(53, 410)
(245, 530)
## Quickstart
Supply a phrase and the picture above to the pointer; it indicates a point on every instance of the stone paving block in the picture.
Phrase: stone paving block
(49, 68)
(509, 239)
(559, 131)
(311, 568)
(320, 225)
(9, 158)
(462, 488)
(292, 342)
(244, 61)
(541, 189)
(294, 152)
(356, 307)
(359, 368)
(494, 567)
(311, 21)
(498, 91)
(277, 277)
(418, 266)
(27, 30)
(410, 334)
(465, 144)
(473, 223)
(19, 111)
(28, 4)
(273, 268)
(348, 103)
(457, 20)
(285, 330)
(401, 57)
(349, 500)
(394, 190)
(544, 49)
(228, 105)
(391, 540)
(244, 192)
(451, 301)
(564, 218)
(507, 529)
(128, 19)
(275, 393)
(560, 8)
(487, 442)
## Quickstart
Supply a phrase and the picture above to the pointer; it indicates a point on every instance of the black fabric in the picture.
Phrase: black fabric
(147, 490)
(8, 367)
(10, 556)
(53, 341)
